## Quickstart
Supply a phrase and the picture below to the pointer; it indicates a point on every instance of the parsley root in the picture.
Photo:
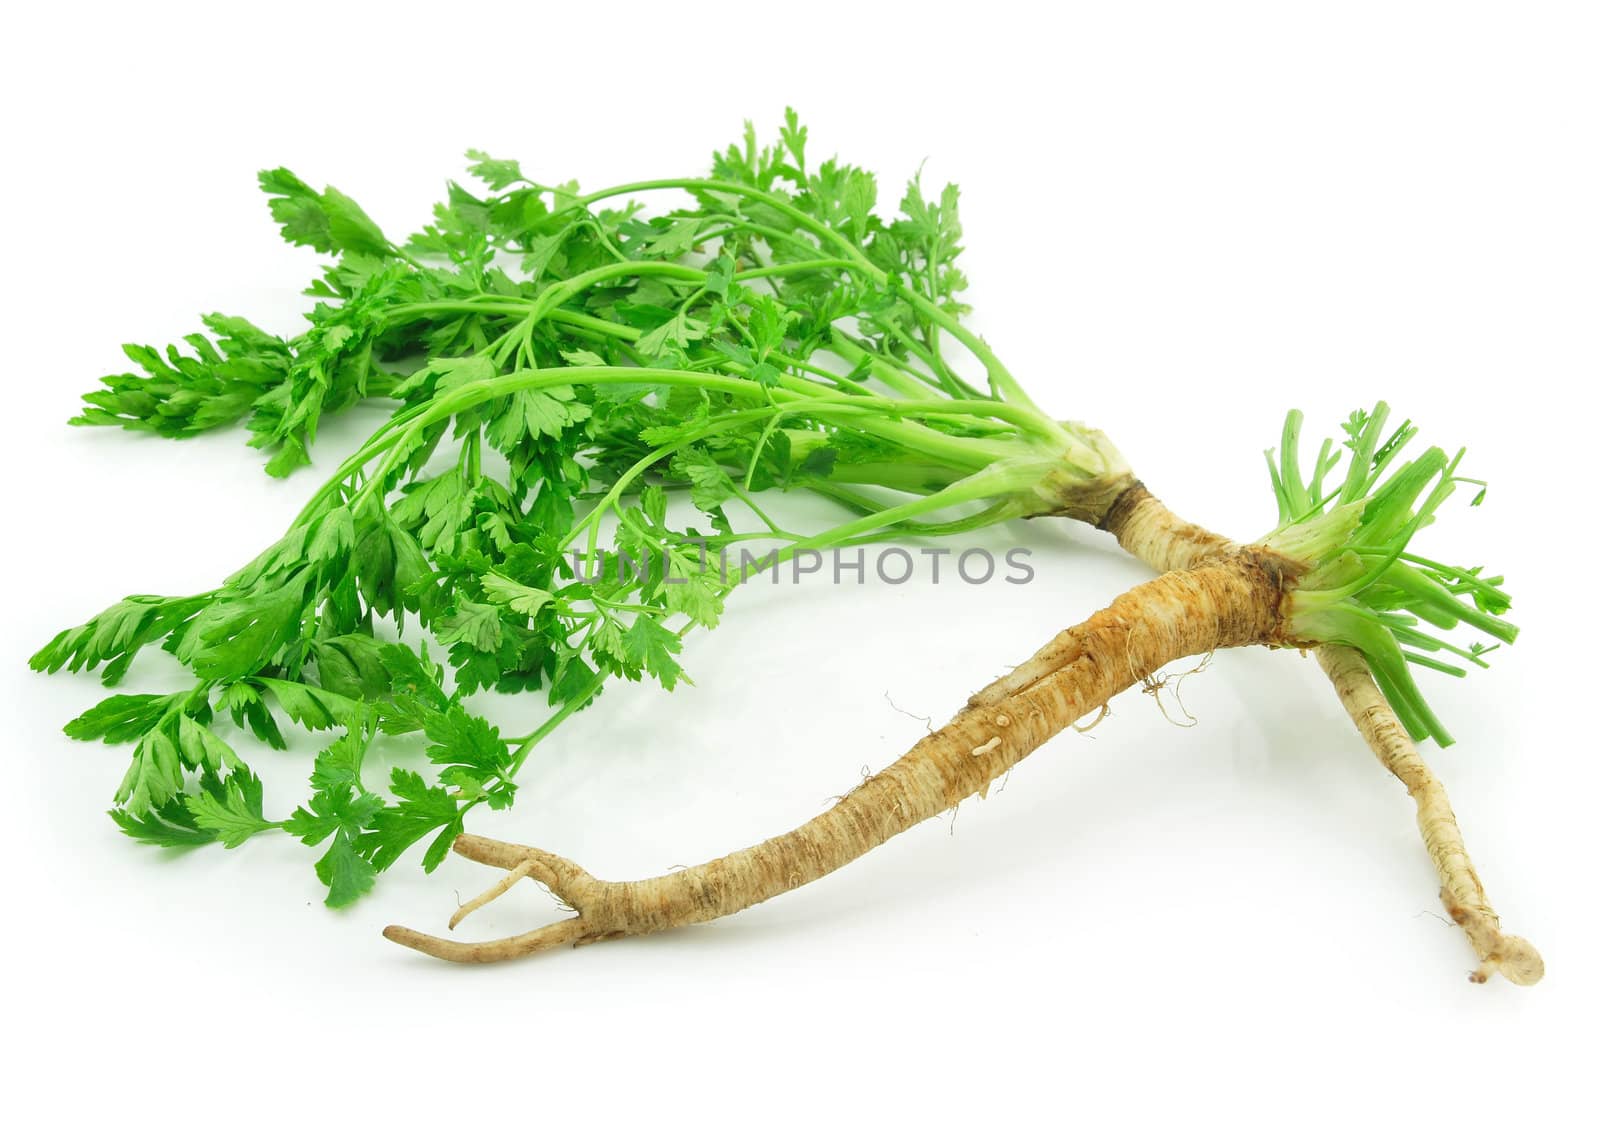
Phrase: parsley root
(1460, 889)
(1178, 614)
(1216, 594)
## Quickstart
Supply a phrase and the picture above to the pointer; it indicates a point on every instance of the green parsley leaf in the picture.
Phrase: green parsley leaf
(231, 808)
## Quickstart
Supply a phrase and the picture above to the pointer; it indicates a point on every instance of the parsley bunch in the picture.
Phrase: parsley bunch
(568, 373)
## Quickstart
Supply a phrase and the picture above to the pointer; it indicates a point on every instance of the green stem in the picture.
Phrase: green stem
(1000, 378)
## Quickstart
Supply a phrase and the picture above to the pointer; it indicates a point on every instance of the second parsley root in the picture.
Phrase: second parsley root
(1459, 886)
(1232, 604)
(1146, 528)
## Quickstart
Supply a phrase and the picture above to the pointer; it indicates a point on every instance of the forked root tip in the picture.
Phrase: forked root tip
(562, 932)
(565, 879)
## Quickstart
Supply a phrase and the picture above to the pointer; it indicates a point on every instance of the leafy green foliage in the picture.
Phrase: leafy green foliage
(588, 403)
(229, 808)
(329, 221)
(179, 395)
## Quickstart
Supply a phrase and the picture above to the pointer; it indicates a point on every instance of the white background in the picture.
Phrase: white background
(1182, 220)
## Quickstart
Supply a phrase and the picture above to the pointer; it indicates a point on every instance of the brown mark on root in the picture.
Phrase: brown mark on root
(1143, 526)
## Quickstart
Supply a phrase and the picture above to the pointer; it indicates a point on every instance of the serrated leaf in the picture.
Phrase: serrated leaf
(463, 738)
(170, 826)
(397, 827)
(333, 538)
(650, 646)
(498, 174)
(230, 809)
(710, 486)
(120, 718)
(345, 872)
(688, 588)
(515, 595)
(313, 708)
(472, 623)
(535, 413)
(333, 809)
(203, 750)
(155, 775)
(414, 676)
